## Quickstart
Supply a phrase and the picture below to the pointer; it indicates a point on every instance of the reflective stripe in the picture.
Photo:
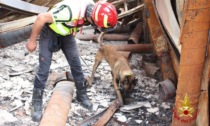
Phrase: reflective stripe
(61, 29)
(96, 13)
(106, 21)
(57, 29)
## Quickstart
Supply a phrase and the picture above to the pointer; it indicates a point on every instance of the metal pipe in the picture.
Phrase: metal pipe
(56, 77)
(108, 37)
(167, 90)
(152, 70)
(136, 34)
(194, 38)
(58, 107)
(166, 65)
(131, 11)
(135, 48)
(122, 29)
(145, 24)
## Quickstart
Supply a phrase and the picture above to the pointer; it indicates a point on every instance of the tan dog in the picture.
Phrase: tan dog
(121, 72)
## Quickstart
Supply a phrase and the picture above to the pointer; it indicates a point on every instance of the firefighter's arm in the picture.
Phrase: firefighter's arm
(39, 23)
(37, 27)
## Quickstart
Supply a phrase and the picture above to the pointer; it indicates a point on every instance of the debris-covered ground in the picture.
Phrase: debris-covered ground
(18, 68)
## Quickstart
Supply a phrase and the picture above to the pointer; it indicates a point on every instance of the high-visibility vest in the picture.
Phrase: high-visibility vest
(68, 16)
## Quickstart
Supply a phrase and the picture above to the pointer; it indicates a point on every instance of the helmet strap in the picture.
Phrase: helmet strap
(93, 23)
(109, 29)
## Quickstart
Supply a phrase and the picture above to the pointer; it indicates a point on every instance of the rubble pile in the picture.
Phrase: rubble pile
(18, 68)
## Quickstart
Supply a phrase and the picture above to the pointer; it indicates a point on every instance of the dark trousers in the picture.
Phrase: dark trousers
(69, 48)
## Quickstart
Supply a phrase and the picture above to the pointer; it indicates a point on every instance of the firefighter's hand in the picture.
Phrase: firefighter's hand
(31, 45)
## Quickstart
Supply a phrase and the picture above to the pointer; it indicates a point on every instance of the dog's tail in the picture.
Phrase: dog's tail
(100, 38)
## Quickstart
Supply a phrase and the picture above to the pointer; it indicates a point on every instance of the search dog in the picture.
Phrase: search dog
(122, 74)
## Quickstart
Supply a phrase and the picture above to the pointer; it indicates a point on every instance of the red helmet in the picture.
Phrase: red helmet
(104, 15)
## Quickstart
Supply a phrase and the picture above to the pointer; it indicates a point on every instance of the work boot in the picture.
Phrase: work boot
(82, 95)
(36, 109)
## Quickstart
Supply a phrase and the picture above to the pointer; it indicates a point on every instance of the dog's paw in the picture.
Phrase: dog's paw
(89, 83)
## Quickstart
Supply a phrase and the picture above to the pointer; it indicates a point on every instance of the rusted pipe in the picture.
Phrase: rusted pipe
(131, 11)
(58, 107)
(135, 48)
(174, 60)
(117, 2)
(167, 90)
(145, 24)
(149, 58)
(122, 29)
(160, 43)
(152, 70)
(166, 65)
(126, 25)
(136, 34)
(108, 37)
(56, 77)
(194, 37)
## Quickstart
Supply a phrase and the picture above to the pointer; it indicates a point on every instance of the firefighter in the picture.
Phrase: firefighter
(56, 29)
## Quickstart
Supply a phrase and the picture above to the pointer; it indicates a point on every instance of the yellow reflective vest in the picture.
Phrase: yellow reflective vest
(68, 16)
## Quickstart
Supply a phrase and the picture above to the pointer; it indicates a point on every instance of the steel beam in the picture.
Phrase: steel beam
(160, 43)
(13, 25)
(167, 17)
(22, 7)
(9, 38)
